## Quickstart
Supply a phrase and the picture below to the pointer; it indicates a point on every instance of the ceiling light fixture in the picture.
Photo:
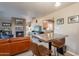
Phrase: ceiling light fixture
(57, 4)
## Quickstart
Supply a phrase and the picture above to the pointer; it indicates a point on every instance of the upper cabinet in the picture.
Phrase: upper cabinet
(48, 25)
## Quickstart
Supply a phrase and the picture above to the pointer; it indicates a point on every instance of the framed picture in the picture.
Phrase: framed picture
(73, 19)
(60, 21)
(19, 22)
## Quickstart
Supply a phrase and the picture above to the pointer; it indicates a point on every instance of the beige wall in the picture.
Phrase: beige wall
(72, 30)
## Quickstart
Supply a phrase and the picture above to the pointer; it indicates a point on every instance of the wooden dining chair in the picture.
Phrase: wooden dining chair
(59, 44)
(34, 48)
(39, 50)
(44, 51)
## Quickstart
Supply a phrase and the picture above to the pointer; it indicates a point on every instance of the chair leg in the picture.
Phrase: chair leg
(58, 54)
(55, 51)
(33, 55)
(60, 51)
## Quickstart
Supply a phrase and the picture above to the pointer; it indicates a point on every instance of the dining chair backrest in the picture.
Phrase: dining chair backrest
(58, 43)
(34, 47)
(63, 40)
(44, 51)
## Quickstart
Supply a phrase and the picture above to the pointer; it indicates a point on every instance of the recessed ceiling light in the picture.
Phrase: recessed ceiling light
(57, 4)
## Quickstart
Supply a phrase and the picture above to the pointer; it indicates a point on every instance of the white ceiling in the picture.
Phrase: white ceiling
(37, 8)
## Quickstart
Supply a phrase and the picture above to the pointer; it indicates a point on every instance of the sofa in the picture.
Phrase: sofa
(5, 36)
(13, 46)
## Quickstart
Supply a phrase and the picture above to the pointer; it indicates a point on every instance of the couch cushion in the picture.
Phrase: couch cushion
(15, 39)
(2, 41)
(5, 49)
(19, 39)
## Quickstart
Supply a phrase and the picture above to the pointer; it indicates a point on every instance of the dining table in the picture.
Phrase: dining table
(49, 38)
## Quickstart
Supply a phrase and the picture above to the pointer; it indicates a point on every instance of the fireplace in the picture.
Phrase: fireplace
(19, 33)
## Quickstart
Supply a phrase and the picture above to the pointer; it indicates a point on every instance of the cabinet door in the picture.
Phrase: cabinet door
(45, 25)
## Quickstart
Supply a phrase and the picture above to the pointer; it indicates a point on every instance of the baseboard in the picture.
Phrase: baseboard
(72, 53)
